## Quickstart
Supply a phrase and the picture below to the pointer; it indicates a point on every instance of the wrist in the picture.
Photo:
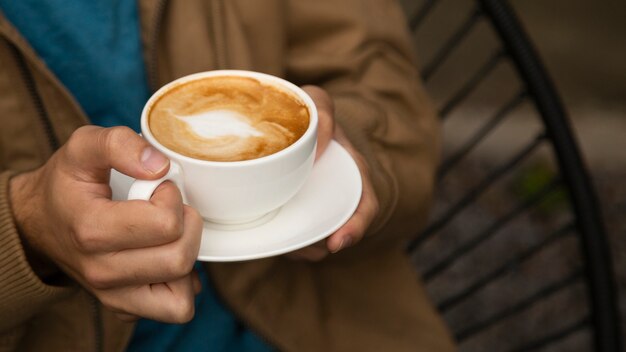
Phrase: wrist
(26, 207)
(22, 198)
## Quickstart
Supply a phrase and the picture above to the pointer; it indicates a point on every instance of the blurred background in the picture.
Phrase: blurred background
(583, 46)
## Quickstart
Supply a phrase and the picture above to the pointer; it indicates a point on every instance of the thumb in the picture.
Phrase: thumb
(93, 151)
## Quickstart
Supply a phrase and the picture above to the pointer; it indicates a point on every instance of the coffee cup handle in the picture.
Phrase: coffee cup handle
(143, 189)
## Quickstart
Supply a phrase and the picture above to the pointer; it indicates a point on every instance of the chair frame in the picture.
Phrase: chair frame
(517, 46)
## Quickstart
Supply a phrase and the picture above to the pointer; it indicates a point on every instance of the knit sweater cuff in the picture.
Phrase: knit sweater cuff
(22, 293)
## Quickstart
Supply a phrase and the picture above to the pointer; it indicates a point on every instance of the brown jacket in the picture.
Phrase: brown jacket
(366, 298)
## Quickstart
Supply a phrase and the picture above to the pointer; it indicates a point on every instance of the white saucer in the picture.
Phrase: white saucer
(326, 201)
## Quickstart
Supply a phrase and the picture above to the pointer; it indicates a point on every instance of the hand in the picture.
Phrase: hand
(135, 256)
(353, 230)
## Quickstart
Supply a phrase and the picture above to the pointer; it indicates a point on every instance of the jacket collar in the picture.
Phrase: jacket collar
(14, 38)
(11, 34)
(150, 16)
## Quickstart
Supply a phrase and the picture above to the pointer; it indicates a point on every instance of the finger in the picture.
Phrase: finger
(312, 254)
(148, 265)
(367, 210)
(325, 116)
(319, 244)
(119, 225)
(92, 151)
(171, 302)
(354, 229)
(195, 281)
(129, 318)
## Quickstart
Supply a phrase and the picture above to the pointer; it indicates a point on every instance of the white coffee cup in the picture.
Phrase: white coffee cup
(235, 192)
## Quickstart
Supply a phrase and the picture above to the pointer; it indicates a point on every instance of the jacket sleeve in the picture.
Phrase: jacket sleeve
(360, 52)
(22, 292)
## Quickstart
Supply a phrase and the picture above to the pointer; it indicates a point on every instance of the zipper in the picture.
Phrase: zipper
(216, 17)
(99, 328)
(220, 58)
(220, 62)
(53, 144)
(29, 81)
(222, 299)
(156, 32)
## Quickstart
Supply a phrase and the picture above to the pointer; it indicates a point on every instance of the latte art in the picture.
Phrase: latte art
(220, 123)
(227, 118)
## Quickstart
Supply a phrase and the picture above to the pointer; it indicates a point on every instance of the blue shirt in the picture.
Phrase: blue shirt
(94, 48)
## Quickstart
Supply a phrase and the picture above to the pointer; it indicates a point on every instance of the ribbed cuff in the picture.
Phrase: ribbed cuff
(9, 341)
(22, 293)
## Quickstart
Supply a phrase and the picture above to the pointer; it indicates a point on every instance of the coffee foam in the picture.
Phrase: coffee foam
(220, 123)
(227, 118)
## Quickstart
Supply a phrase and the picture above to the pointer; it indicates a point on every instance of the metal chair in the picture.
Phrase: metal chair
(516, 255)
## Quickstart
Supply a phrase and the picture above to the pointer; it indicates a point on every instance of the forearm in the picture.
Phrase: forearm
(23, 199)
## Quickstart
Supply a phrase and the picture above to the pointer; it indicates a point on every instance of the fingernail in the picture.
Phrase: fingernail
(338, 247)
(345, 242)
(153, 160)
